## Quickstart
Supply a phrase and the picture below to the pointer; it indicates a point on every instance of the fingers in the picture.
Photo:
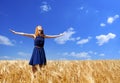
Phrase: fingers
(12, 31)
(62, 34)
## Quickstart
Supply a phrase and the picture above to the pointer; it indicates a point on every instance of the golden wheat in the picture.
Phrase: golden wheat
(98, 71)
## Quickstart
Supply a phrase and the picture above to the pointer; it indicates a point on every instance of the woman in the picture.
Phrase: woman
(38, 55)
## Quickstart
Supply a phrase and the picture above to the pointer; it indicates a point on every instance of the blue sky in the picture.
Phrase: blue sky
(92, 28)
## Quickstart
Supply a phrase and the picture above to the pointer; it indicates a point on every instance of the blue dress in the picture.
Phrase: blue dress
(38, 55)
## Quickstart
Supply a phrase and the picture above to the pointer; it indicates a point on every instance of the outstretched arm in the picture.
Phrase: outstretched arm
(23, 34)
(53, 36)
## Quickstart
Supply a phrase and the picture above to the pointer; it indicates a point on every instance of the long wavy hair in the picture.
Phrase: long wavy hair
(37, 31)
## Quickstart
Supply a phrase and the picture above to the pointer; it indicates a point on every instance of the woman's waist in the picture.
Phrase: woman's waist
(38, 46)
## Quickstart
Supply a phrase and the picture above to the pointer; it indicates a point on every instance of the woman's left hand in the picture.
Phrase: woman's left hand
(61, 34)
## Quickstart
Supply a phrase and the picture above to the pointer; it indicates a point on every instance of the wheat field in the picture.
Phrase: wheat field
(89, 71)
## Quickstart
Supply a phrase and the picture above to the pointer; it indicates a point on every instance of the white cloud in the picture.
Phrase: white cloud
(14, 58)
(23, 54)
(78, 38)
(83, 41)
(101, 54)
(81, 8)
(7, 58)
(4, 57)
(5, 41)
(105, 38)
(67, 36)
(110, 20)
(102, 24)
(66, 53)
(93, 53)
(116, 16)
(78, 55)
(45, 7)
(82, 55)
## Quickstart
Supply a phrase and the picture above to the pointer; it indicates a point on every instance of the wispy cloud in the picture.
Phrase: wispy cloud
(81, 8)
(102, 24)
(110, 20)
(67, 36)
(12, 58)
(93, 53)
(23, 54)
(78, 55)
(83, 55)
(45, 7)
(101, 39)
(84, 41)
(4, 57)
(5, 41)
(78, 38)
(102, 54)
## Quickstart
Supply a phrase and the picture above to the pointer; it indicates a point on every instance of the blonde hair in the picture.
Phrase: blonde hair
(37, 31)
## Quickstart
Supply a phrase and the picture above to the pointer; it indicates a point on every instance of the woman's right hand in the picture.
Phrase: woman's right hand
(12, 31)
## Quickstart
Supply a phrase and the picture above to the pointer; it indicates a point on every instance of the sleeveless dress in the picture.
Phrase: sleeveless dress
(38, 55)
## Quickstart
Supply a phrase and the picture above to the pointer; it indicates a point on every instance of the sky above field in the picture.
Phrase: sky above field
(91, 27)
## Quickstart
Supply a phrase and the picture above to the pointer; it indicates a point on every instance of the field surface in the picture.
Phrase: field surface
(89, 71)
